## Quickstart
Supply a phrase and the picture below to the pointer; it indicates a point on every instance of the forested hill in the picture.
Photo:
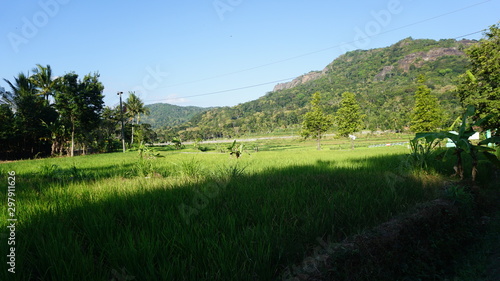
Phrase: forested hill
(164, 114)
(384, 81)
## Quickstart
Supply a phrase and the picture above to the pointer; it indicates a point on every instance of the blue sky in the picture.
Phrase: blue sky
(200, 52)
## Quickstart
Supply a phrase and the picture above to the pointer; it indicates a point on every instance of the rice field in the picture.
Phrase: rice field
(190, 215)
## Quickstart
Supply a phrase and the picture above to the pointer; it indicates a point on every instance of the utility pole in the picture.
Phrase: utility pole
(121, 118)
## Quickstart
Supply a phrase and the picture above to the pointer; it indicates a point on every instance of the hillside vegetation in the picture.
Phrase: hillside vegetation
(164, 114)
(384, 81)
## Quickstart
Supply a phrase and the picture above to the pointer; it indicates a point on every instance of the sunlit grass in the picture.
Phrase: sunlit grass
(199, 216)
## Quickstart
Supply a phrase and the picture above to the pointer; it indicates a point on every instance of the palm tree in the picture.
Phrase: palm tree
(21, 88)
(135, 107)
(30, 112)
(42, 79)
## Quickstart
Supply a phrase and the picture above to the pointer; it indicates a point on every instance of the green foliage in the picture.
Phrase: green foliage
(42, 79)
(7, 125)
(348, 118)
(79, 104)
(49, 171)
(42, 126)
(192, 168)
(177, 143)
(422, 153)
(459, 195)
(316, 122)
(25, 136)
(163, 115)
(134, 109)
(463, 144)
(147, 152)
(480, 86)
(426, 115)
(235, 149)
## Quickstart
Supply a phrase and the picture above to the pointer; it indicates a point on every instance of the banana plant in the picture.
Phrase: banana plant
(463, 144)
(235, 150)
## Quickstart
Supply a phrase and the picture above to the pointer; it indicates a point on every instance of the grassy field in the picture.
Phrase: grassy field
(191, 215)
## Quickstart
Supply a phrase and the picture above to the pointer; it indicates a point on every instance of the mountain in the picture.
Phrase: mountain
(384, 81)
(164, 114)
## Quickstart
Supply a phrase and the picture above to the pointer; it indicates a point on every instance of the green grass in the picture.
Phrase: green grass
(199, 216)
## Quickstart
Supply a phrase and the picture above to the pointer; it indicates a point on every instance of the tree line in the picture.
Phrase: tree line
(44, 115)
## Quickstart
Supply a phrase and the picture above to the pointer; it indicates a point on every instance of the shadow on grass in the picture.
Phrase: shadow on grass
(50, 174)
(230, 227)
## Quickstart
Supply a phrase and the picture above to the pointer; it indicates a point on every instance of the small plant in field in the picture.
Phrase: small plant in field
(75, 173)
(196, 143)
(191, 169)
(203, 148)
(422, 152)
(459, 195)
(145, 166)
(227, 173)
(235, 150)
(177, 143)
(146, 152)
(220, 148)
(49, 171)
(255, 147)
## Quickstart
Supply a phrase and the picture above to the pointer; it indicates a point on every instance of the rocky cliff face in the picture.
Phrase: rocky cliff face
(313, 75)
(419, 58)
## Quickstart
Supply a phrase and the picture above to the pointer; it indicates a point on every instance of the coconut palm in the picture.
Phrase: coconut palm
(22, 87)
(30, 110)
(135, 107)
(42, 79)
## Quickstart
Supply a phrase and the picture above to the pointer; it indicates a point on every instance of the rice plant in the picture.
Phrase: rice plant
(248, 218)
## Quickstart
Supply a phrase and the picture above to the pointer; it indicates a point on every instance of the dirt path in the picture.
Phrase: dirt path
(231, 140)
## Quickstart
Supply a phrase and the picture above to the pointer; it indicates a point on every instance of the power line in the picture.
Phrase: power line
(310, 53)
(230, 90)
(329, 48)
(462, 36)
(277, 81)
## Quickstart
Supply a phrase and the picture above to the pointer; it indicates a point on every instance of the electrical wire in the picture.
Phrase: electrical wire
(311, 53)
(272, 82)
(230, 90)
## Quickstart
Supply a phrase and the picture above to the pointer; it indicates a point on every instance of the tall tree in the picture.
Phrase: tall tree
(316, 121)
(79, 104)
(349, 118)
(480, 86)
(68, 104)
(30, 111)
(135, 107)
(426, 115)
(42, 79)
(91, 90)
